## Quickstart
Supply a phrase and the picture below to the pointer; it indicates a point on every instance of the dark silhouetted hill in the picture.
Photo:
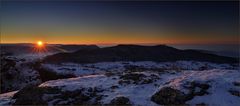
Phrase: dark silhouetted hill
(77, 47)
(159, 53)
(18, 49)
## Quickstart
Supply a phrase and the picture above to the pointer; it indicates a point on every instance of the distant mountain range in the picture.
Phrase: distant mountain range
(27, 48)
(221, 53)
(158, 53)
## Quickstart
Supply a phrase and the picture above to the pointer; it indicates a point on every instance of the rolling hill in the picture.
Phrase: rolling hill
(158, 53)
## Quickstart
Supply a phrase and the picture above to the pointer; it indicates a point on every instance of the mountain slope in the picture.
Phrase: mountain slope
(157, 53)
(136, 53)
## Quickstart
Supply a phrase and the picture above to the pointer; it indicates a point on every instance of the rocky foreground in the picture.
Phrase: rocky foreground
(134, 83)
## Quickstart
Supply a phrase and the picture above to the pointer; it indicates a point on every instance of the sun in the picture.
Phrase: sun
(39, 43)
(40, 47)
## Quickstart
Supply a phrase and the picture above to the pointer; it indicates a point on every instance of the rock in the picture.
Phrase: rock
(133, 76)
(47, 74)
(201, 104)
(236, 83)
(234, 92)
(133, 68)
(13, 74)
(198, 89)
(114, 87)
(33, 95)
(120, 101)
(169, 96)
(109, 74)
(137, 78)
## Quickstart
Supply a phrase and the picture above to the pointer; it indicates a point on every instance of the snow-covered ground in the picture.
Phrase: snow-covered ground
(100, 68)
(220, 81)
(209, 83)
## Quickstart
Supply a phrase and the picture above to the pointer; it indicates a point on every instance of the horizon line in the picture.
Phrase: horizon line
(126, 43)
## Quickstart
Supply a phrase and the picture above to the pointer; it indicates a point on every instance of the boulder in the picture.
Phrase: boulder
(169, 96)
(120, 101)
(33, 95)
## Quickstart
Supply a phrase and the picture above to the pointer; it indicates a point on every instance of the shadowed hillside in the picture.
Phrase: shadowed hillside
(18, 49)
(159, 53)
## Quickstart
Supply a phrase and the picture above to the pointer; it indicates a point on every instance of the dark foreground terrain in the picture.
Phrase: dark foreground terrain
(120, 75)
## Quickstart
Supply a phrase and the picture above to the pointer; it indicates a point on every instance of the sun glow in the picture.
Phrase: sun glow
(39, 43)
(40, 47)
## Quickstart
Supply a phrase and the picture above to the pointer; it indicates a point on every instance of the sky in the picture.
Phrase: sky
(74, 22)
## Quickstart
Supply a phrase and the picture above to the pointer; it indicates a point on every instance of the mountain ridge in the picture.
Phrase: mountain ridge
(122, 52)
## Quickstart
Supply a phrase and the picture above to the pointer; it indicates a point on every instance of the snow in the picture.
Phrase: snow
(72, 84)
(220, 77)
(6, 98)
(220, 82)
(136, 93)
(101, 68)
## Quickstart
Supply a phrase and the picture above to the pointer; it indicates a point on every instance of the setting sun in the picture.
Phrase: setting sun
(40, 43)
(40, 47)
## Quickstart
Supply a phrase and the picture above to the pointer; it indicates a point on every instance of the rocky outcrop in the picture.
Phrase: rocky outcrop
(120, 101)
(234, 92)
(137, 78)
(169, 96)
(33, 95)
(16, 73)
(47, 74)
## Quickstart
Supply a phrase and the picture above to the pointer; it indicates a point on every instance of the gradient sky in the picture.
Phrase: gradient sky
(120, 22)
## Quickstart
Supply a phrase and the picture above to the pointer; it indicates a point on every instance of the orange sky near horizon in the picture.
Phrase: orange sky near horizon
(117, 40)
